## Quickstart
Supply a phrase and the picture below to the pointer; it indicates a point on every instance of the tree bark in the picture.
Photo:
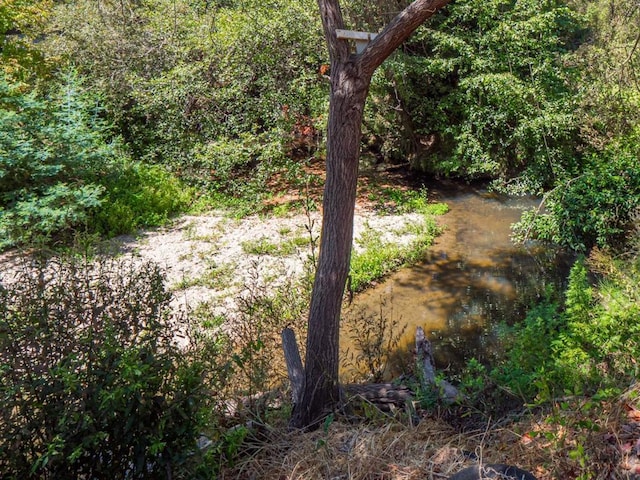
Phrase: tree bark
(382, 395)
(424, 359)
(320, 390)
(350, 80)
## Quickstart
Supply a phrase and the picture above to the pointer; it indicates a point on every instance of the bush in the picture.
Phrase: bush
(53, 153)
(587, 345)
(528, 350)
(238, 168)
(596, 208)
(609, 60)
(138, 195)
(209, 90)
(94, 383)
(480, 91)
(21, 21)
(62, 170)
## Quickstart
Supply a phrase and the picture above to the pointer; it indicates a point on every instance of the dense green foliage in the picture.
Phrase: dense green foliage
(537, 96)
(52, 154)
(598, 204)
(609, 61)
(94, 383)
(139, 195)
(585, 343)
(161, 98)
(21, 21)
(62, 170)
(221, 94)
(229, 96)
(595, 208)
(482, 92)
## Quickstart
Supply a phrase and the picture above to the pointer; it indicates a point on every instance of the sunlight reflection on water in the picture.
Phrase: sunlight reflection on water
(473, 280)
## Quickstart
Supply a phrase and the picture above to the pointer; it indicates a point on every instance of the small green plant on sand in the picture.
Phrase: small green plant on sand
(377, 257)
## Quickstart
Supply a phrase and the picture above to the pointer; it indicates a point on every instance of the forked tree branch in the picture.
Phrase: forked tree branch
(396, 32)
(391, 37)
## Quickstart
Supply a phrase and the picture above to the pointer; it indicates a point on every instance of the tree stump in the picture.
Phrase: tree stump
(383, 395)
(427, 369)
(295, 371)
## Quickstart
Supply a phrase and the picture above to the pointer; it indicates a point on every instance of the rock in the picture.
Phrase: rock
(493, 471)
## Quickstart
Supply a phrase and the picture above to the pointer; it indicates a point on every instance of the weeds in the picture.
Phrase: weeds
(216, 276)
(265, 246)
(253, 338)
(138, 196)
(376, 256)
(374, 337)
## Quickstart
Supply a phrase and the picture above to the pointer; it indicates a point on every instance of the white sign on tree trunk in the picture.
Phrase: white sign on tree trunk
(362, 39)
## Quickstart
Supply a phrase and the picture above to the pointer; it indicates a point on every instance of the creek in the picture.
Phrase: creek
(473, 281)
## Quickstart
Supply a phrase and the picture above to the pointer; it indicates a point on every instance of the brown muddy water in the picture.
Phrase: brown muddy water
(473, 280)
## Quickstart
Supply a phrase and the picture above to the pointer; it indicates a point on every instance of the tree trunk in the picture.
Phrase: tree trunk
(350, 79)
(385, 396)
(348, 94)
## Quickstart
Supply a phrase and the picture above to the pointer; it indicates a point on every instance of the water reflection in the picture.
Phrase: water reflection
(473, 280)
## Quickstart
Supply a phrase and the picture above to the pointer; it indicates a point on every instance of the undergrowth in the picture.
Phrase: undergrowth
(565, 371)
(99, 379)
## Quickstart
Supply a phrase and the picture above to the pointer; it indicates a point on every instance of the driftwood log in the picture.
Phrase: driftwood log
(384, 395)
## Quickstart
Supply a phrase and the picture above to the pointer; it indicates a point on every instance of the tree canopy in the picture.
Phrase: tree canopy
(227, 95)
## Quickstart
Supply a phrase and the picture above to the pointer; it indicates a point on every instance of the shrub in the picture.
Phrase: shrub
(238, 168)
(587, 345)
(62, 170)
(94, 383)
(196, 87)
(478, 91)
(21, 22)
(595, 208)
(375, 338)
(610, 102)
(528, 350)
(53, 153)
(139, 195)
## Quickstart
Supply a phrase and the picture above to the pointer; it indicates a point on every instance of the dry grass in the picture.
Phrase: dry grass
(391, 450)
(347, 451)
(580, 439)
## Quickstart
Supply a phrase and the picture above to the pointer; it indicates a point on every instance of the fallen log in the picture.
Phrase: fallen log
(385, 396)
